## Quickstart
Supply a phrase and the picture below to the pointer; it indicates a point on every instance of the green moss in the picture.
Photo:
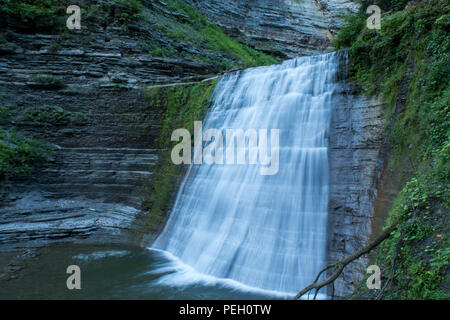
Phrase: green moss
(174, 29)
(178, 33)
(55, 46)
(408, 62)
(180, 106)
(53, 115)
(198, 30)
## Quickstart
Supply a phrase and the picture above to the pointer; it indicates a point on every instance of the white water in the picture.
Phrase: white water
(268, 232)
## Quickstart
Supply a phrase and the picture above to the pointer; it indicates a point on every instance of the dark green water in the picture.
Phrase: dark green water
(118, 273)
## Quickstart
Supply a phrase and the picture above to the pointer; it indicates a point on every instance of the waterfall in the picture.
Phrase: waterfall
(265, 231)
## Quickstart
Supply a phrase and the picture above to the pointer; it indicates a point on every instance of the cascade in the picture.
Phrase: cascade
(265, 231)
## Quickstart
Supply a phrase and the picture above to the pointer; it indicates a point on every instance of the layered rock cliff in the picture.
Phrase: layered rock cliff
(110, 147)
(289, 28)
(355, 161)
(82, 92)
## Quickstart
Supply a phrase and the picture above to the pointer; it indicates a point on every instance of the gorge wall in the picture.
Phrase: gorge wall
(109, 146)
(355, 160)
(82, 91)
(288, 28)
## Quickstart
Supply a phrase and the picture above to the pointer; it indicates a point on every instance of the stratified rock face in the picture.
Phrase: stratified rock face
(290, 28)
(99, 74)
(103, 58)
(32, 219)
(104, 153)
(96, 73)
(356, 161)
(105, 150)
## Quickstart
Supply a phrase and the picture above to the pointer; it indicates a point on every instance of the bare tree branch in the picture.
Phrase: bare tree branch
(340, 265)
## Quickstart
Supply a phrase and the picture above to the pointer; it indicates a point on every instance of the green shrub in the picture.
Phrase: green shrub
(54, 46)
(165, 52)
(5, 113)
(353, 24)
(53, 115)
(129, 10)
(46, 114)
(30, 9)
(19, 154)
(48, 81)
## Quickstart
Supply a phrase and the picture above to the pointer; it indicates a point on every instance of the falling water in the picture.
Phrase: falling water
(264, 231)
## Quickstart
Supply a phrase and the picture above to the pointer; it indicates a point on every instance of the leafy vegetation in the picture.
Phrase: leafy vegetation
(129, 10)
(197, 29)
(31, 9)
(19, 154)
(408, 62)
(54, 115)
(5, 113)
(181, 105)
(48, 81)
(170, 29)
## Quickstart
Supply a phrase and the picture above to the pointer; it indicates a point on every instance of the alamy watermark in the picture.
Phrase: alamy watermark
(74, 280)
(374, 281)
(238, 143)
(74, 20)
(374, 21)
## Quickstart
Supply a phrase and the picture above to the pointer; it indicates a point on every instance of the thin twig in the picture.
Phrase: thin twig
(340, 265)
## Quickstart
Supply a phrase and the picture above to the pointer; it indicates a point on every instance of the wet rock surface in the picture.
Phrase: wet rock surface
(288, 28)
(355, 152)
(105, 53)
(90, 191)
(105, 150)
(13, 260)
(116, 63)
(35, 219)
(106, 147)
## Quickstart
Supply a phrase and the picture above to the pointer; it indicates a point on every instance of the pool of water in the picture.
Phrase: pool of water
(120, 273)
